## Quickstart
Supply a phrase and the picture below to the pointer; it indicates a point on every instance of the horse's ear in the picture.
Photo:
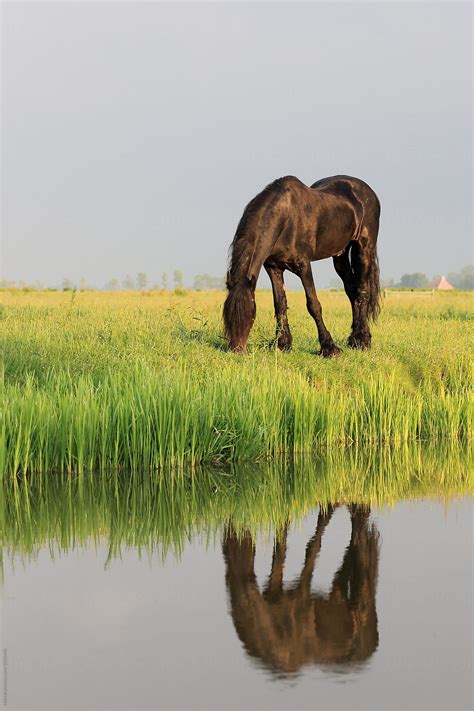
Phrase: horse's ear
(228, 280)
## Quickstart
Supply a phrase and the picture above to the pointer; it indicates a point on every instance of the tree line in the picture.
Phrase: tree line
(201, 282)
(464, 279)
(139, 282)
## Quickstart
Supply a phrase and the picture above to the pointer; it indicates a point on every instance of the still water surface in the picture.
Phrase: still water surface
(346, 612)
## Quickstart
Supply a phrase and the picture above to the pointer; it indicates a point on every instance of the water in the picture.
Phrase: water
(384, 621)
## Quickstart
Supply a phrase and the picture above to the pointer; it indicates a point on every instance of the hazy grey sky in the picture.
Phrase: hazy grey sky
(135, 133)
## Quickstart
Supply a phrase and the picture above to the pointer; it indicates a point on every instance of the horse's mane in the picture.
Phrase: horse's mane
(239, 244)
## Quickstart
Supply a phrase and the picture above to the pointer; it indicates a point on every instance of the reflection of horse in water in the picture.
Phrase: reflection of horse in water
(287, 627)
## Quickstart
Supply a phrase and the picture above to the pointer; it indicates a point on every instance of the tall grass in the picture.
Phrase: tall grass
(146, 420)
(136, 382)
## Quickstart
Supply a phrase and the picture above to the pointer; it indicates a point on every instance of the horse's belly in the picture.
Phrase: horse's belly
(325, 248)
(333, 234)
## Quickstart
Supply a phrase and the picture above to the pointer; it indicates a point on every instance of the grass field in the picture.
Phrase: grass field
(98, 381)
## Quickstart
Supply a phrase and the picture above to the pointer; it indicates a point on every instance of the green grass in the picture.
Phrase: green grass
(162, 511)
(94, 382)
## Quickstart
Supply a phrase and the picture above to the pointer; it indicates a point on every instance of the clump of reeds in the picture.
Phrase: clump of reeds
(146, 420)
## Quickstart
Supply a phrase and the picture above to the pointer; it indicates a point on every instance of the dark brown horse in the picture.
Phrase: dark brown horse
(288, 226)
(287, 627)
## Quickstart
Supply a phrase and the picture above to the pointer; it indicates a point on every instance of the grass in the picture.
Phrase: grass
(137, 381)
(164, 510)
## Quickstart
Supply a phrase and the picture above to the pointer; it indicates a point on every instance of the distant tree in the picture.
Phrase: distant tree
(388, 283)
(38, 285)
(463, 279)
(164, 280)
(417, 280)
(178, 279)
(112, 285)
(435, 280)
(68, 285)
(197, 283)
(206, 282)
(128, 283)
(83, 286)
(142, 281)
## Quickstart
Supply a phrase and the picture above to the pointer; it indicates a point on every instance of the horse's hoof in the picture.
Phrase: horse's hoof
(282, 345)
(330, 351)
(359, 341)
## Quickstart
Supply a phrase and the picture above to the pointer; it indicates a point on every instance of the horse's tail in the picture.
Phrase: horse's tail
(371, 221)
(257, 232)
(374, 302)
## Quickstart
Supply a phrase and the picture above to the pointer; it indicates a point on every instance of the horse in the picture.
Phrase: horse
(289, 225)
(288, 627)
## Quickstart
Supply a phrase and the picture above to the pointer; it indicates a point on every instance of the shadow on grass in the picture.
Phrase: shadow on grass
(201, 336)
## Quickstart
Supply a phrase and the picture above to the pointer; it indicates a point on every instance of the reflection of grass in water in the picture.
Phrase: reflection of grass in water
(100, 381)
(152, 511)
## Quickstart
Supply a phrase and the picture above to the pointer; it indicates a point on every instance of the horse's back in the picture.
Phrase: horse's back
(354, 189)
(337, 182)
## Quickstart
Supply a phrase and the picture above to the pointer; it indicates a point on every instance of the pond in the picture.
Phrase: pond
(168, 601)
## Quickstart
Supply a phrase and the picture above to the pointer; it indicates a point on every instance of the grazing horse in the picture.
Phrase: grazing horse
(289, 627)
(288, 226)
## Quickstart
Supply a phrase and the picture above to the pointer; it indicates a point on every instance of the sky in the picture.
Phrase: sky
(134, 134)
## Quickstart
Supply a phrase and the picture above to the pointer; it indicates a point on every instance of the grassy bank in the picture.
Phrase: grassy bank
(96, 381)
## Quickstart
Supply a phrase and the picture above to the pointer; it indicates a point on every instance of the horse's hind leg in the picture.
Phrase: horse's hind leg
(344, 270)
(283, 337)
(328, 347)
(361, 266)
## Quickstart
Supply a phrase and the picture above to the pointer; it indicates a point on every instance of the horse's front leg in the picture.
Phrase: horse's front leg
(283, 337)
(313, 548)
(328, 347)
(274, 586)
